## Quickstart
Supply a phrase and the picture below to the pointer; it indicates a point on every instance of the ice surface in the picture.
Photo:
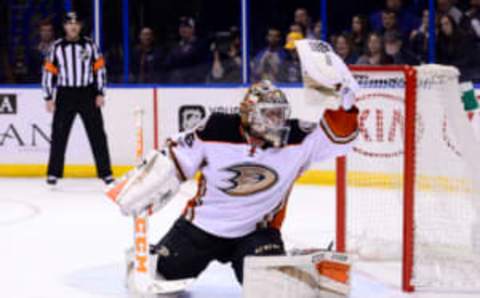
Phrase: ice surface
(70, 243)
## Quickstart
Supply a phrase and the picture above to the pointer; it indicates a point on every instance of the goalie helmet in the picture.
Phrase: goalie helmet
(264, 112)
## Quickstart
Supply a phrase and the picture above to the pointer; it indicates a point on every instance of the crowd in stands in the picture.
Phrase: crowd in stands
(391, 35)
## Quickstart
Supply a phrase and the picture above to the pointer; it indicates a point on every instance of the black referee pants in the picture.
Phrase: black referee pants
(69, 103)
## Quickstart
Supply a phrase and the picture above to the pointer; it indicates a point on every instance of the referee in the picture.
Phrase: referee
(74, 74)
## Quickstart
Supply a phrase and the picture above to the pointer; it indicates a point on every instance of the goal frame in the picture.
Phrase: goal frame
(410, 75)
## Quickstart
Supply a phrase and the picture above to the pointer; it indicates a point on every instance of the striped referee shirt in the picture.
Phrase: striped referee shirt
(73, 64)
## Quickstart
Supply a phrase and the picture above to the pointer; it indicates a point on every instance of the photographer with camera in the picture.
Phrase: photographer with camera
(227, 58)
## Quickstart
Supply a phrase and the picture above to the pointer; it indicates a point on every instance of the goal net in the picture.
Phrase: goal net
(410, 189)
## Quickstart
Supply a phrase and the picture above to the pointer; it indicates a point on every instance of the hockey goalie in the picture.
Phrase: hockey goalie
(247, 165)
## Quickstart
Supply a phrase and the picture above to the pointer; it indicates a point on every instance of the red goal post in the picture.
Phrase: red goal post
(409, 168)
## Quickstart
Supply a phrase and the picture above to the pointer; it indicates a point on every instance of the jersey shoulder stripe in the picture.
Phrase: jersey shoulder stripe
(221, 127)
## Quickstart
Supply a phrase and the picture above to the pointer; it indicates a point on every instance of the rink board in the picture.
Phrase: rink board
(25, 128)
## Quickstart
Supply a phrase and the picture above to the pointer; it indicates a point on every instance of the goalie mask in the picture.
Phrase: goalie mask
(264, 113)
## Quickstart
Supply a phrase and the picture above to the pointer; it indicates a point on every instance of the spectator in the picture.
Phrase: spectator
(20, 69)
(389, 22)
(295, 27)
(344, 48)
(457, 48)
(375, 53)
(186, 61)
(447, 7)
(406, 20)
(46, 35)
(317, 31)
(302, 18)
(419, 38)
(146, 58)
(471, 21)
(332, 39)
(292, 72)
(360, 30)
(394, 47)
(227, 60)
(268, 62)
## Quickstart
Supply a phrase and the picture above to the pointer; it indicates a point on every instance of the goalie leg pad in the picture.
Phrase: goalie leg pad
(150, 185)
(319, 274)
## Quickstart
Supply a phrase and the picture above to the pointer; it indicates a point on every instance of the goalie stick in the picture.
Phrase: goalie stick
(141, 269)
(140, 275)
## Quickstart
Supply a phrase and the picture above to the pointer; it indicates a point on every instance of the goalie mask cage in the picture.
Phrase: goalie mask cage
(409, 189)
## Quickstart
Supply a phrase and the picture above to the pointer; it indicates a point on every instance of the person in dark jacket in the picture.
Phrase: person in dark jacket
(37, 55)
(227, 59)
(375, 53)
(406, 20)
(146, 58)
(419, 38)
(344, 48)
(360, 30)
(268, 63)
(455, 47)
(471, 20)
(187, 60)
(399, 53)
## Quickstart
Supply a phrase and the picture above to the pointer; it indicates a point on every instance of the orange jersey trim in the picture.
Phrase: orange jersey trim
(277, 221)
(279, 218)
(189, 210)
(173, 157)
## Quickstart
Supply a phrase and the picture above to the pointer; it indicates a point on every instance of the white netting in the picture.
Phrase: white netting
(447, 175)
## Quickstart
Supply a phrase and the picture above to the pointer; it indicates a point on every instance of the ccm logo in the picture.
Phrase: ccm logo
(141, 245)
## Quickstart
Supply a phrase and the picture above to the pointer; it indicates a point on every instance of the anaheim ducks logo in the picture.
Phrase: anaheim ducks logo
(249, 179)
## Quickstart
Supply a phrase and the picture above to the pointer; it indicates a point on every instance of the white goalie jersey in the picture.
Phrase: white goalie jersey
(242, 188)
